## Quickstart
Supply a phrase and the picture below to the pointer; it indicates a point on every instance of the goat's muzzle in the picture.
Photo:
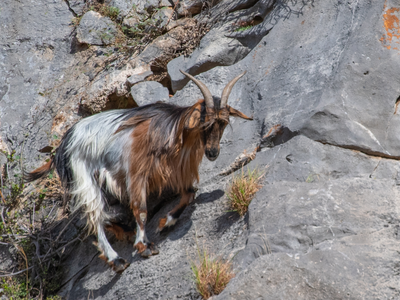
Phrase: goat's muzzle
(212, 154)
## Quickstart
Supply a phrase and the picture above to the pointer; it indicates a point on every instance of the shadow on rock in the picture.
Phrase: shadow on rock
(225, 221)
(209, 197)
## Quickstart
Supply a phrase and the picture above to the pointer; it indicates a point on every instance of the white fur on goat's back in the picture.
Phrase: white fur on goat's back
(95, 150)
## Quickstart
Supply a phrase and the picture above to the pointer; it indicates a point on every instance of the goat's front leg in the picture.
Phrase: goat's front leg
(142, 244)
(173, 216)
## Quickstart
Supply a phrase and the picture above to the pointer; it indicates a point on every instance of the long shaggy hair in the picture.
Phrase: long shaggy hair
(119, 150)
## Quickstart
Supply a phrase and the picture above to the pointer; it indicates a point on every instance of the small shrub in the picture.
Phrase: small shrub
(242, 190)
(210, 275)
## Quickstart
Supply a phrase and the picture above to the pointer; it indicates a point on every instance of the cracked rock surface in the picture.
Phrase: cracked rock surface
(322, 86)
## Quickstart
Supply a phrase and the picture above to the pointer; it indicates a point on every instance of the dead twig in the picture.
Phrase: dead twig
(60, 248)
(20, 249)
(169, 19)
(16, 273)
(1, 194)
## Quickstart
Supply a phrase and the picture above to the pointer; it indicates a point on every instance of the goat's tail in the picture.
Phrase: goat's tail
(39, 172)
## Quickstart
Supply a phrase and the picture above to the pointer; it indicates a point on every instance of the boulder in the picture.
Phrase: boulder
(149, 92)
(190, 7)
(94, 29)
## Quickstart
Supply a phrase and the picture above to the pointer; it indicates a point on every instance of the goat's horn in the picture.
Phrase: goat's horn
(227, 90)
(204, 90)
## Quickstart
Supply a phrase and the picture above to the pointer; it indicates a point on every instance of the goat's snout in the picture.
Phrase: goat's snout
(212, 153)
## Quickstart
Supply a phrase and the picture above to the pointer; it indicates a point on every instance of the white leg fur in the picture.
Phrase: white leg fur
(104, 245)
(170, 221)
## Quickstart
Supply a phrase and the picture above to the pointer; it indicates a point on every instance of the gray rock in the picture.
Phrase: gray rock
(164, 16)
(3, 158)
(215, 50)
(136, 78)
(166, 3)
(124, 6)
(94, 29)
(146, 6)
(6, 259)
(35, 52)
(316, 225)
(149, 92)
(77, 6)
(190, 7)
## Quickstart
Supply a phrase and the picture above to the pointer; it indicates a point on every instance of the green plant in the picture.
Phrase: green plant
(14, 288)
(11, 186)
(110, 11)
(211, 275)
(242, 190)
(243, 25)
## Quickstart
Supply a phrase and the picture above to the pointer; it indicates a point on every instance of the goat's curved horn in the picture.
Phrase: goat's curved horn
(204, 90)
(227, 90)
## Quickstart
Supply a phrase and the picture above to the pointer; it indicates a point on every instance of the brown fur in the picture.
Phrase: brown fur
(176, 169)
(185, 200)
(39, 172)
(161, 223)
(140, 247)
(116, 230)
(44, 168)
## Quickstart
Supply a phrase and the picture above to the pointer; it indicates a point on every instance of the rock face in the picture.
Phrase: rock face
(33, 59)
(322, 86)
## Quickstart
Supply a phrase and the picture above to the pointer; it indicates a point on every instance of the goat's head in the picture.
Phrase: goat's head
(212, 115)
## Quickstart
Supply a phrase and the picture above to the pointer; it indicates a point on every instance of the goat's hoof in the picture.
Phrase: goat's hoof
(154, 250)
(119, 265)
(146, 253)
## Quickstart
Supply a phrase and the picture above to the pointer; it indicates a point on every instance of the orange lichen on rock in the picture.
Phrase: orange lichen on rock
(391, 23)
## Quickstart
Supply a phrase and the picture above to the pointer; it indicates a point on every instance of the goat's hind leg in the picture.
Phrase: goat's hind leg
(118, 264)
(173, 216)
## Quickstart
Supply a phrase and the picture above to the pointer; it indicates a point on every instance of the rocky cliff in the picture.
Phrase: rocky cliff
(322, 86)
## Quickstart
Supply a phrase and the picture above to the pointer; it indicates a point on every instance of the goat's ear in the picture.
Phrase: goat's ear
(194, 118)
(236, 113)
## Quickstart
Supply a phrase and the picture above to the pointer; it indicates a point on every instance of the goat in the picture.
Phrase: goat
(131, 153)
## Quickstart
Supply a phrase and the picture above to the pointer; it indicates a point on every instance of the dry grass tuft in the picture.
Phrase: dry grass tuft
(242, 190)
(211, 275)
